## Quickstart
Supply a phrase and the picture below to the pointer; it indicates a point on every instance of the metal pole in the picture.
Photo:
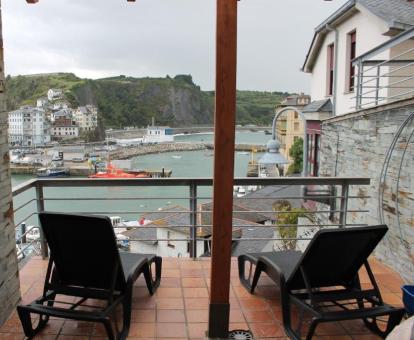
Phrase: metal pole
(359, 86)
(23, 231)
(344, 204)
(41, 207)
(193, 220)
(305, 139)
(377, 85)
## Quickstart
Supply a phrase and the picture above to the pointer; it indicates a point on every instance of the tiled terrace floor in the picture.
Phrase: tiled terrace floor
(179, 309)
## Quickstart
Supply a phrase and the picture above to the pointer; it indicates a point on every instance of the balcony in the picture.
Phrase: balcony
(179, 309)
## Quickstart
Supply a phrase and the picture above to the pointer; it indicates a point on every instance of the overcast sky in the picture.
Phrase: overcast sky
(100, 38)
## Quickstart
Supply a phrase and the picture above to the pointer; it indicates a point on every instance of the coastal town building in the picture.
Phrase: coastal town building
(290, 126)
(86, 117)
(42, 102)
(158, 134)
(28, 126)
(54, 94)
(353, 30)
(64, 113)
(64, 128)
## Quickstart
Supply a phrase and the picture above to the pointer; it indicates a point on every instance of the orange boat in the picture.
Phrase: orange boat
(113, 172)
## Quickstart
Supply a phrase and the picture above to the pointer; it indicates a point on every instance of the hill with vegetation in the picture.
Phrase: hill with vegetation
(128, 101)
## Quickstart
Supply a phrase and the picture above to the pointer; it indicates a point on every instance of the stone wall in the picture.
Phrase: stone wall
(9, 275)
(356, 145)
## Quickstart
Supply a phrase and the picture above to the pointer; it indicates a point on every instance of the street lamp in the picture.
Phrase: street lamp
(269, 163)
(273, 145)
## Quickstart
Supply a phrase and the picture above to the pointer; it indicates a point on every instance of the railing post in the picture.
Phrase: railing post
(377, 84)
(193, 220)
(23, 232)
(344, 204)
(41, 207)
(358, 98)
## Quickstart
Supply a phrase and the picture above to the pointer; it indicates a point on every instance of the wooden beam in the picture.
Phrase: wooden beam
(224, 134)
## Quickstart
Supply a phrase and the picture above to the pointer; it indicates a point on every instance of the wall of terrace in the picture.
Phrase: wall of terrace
(358, 144)
(9, 277)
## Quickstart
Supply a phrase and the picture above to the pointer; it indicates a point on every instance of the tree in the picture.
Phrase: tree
(296, 152)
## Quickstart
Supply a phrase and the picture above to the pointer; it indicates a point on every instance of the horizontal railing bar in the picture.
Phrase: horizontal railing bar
(24, 234)
(28, 245)
(394, 58)
(23, 205)
(388, 86)
(24, 219)
(234, 239)
(237, 226)
(385, 75)
(188, 198)
(385, 98)
(100, 182)
(18, 189)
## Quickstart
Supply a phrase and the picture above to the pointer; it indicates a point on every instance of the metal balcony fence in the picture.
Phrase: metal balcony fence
(254, 212)
(385, 73)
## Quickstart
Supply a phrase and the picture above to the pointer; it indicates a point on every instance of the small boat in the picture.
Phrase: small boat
(251, 188)
(113, 172)
(267, 132)
(52, 172)
(176, 156)
(243, 153)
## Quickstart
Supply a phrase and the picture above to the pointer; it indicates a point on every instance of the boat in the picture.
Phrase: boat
(251, 188)
(113, 172)
(243, 153)
(176, 156)
(33, 234)
(53, 172)
(267, 132)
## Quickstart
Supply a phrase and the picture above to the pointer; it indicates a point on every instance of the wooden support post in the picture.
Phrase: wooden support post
(224, 134)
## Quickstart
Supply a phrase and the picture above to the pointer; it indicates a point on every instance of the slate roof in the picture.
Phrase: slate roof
(324, 105)
(142, 234)
(263, 199)
(252, 246)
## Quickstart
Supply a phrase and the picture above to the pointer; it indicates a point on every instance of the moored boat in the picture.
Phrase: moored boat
(52, 172)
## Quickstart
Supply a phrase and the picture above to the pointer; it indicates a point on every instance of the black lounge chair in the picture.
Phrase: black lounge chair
(323, 281)
(85, 264)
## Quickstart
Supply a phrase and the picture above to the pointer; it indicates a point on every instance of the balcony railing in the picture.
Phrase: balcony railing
(181, 206)
(382, 80)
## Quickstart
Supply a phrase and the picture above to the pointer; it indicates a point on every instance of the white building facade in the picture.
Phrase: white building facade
(86, 117)
(356, 28)
(28, 126)
(54, 94)
(159, 134)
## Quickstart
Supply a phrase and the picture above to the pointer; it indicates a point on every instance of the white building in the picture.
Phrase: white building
(28, 126)
(65, 113)
(64, 129)
(354, 29)
(86, 117)
(42, 102)
(54, 94)
(158, 134)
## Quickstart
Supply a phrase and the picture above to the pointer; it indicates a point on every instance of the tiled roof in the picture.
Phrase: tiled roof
(394, 12)
(324, 105)
(145, 233)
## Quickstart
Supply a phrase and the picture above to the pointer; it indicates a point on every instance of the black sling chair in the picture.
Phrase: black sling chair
(85, 263)
(310, 280)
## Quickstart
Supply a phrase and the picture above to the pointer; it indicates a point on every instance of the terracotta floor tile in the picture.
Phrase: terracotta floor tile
(330, 328)
(194, 303)
(142, 330)
(193, 282)
(170, 303)
(271, 329)
(192, 273)
(170, 315)
(196, 293)
(143, 315)
(143, 303)
(238, 325)
(171, 282)
(258, 316)
(171, 273)
(171, 330)
(168, 292)
(71, 327)
(236, 316)
(197, 315)
(72, 337)
(11, 336)
(52, 327)
(197, 330)
(253, 304)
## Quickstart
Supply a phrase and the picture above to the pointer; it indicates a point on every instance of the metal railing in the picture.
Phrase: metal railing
(380, 80)
(181, 206)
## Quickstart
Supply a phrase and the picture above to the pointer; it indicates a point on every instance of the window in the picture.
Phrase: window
(296, 115)
(330, 69)
(296, 126)
(351, 56)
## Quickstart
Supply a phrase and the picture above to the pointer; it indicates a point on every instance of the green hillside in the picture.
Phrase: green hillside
(126, 101)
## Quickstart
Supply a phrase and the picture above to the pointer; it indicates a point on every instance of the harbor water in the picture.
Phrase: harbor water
(131, 202)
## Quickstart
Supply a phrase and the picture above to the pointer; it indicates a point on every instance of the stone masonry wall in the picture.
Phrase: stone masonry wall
(9, 275)
(355, 145)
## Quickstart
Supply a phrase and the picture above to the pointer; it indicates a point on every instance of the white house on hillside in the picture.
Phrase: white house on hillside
(356, 28)
(53, 94)
(86, 117)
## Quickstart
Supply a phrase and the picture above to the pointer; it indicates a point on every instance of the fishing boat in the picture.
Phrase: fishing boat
(53, 172)
(176, 156)
(113, 172)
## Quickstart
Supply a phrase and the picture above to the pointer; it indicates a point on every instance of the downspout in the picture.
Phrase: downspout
(335, 75)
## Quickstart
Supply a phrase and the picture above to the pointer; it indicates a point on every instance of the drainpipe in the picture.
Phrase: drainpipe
(335, 76)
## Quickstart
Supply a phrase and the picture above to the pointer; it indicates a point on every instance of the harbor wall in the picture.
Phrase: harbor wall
(9, 274)
(356, 145)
